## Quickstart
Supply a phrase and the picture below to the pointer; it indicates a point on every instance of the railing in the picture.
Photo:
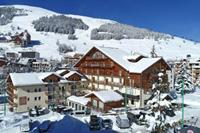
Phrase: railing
(89, 58)
(12, 103)
(108, 83)
(98, 66)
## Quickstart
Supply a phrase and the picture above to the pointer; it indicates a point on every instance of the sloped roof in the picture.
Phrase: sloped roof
(22, 79)
(106, 95)
(60, 71)
(122, 58)
(71, 73)
(81, 100)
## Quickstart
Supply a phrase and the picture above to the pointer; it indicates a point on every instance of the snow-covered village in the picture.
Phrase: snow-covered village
(67, 73)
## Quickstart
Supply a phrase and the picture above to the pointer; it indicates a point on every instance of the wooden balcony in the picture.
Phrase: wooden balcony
(95, 59)
(98, 66)
(12, 103)
(108, 83)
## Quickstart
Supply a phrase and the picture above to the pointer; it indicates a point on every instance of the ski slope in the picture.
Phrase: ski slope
(169, 49)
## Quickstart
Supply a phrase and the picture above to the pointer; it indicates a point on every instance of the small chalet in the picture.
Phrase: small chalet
(22, 39)
(78, 103)
(105, 100)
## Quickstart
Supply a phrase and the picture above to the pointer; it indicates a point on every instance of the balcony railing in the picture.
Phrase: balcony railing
(12, 103)
(98, 66)
(108, 83)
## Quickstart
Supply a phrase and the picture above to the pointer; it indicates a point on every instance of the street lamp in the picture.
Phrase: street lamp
(182, 93)
(126, 99)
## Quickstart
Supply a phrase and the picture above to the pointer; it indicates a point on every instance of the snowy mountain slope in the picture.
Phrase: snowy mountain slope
(169, 48)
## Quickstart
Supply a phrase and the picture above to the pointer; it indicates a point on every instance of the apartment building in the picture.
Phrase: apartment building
(28, 90)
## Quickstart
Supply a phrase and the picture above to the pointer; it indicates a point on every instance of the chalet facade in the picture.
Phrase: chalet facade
(105, 100)
(22, 39)
(79, 82)
(113, 69)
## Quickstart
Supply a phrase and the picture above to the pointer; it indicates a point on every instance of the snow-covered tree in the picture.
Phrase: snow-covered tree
(158, 105)
(153, 52)
(184, 77)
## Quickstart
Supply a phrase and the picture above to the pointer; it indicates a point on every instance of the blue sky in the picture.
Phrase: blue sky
(177, 17)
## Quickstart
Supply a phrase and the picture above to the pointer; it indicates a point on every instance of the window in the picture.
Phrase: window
(70, 103)
(35, 98)
(132, 101)
(106, 81)
(101, 105)
(83, 108)
(39, 89)
(28, 98)
(22, 100)
(79, 107)
(63, 88)
(98, 55)
(93, 79)
(35, 90)
(28, 91)
(120, 80)
(39, 98)
(120, 73)
(94, 103)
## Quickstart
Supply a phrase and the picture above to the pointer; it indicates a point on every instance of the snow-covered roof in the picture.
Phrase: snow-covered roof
(121, 57)
(20, 79)
(71, 73)
(60, 71)
(81, 100)
(23, 61)
(135, 56)
(107, 95)
(23, 79)
(46, 74)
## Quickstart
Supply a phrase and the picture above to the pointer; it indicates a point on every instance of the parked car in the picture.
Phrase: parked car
(122, 121)
(60, 108)
(94, 123)
(133, 117)
(107, 123)
(67, 111)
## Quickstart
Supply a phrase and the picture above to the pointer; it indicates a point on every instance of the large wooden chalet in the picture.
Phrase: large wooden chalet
(113, 69)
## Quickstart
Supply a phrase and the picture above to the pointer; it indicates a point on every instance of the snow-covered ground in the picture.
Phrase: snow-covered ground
(170, 48)
(12, 122)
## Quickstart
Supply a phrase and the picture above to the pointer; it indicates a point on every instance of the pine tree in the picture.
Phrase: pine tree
(153, 52)
(158, 105)
(184, 76)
